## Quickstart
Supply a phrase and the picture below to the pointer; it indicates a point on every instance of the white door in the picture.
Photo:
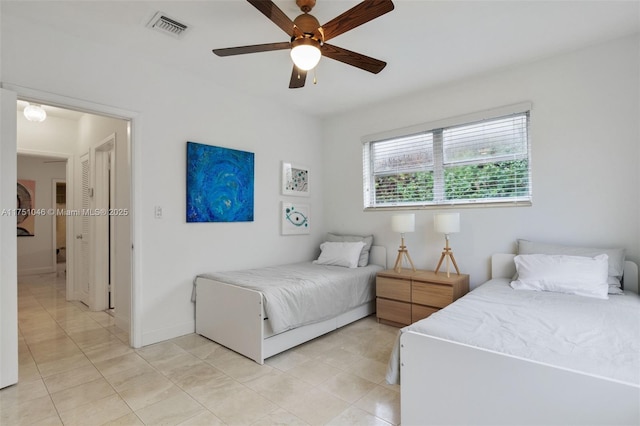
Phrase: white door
(112, 231)
(84, 235)
(8, 241)
(100, 155)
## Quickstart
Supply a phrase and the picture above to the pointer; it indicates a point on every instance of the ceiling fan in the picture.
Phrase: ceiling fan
(308, 38)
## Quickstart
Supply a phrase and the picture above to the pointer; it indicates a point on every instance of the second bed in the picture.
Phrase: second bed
(262, 312)
(510, 356)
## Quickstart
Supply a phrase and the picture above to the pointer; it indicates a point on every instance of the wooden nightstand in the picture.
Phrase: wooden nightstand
(405, 297)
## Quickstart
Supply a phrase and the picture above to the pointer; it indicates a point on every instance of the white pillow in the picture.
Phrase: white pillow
(614, 285)
(616, 255)
(364, 254)
(340, 253)
(584, 276)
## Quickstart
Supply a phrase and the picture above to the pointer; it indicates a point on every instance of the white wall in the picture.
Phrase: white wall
(54, 135)
(35, 254)
(173, 108)
(8, 268)
(585, 145)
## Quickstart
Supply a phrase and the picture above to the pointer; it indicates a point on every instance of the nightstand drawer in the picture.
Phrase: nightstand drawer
(419, 312)
(392, 288)
(391, 310)
(431, 294)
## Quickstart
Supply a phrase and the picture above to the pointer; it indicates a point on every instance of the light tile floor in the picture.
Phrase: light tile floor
(76, 368)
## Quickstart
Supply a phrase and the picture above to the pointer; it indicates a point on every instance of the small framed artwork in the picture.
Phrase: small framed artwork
(26, 204)
(295, 180)
(295, 218)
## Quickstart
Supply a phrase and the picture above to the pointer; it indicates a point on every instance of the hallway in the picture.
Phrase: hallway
(76, 368)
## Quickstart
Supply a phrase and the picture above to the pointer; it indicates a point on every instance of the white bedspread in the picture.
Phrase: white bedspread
(303, 293)
(596, 336)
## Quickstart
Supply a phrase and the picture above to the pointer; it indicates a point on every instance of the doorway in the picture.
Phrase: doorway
(98, 245)
(60, 227)
(40, 240)
(129, 311)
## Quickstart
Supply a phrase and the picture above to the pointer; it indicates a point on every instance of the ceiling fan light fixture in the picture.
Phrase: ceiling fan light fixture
(305, 53)
(35, 113)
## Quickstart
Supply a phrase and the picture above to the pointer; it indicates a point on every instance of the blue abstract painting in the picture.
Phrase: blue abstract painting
(219, 184)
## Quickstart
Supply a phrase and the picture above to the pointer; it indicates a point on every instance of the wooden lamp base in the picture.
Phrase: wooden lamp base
(449, 255)
(402, 253)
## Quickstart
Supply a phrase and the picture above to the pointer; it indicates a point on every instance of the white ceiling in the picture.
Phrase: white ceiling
(425, 43)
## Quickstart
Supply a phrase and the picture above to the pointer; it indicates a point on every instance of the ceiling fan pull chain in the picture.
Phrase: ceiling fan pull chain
(315, 80)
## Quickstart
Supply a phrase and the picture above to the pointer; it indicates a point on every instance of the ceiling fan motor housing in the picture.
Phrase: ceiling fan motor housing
(309, 41)
(309, 25)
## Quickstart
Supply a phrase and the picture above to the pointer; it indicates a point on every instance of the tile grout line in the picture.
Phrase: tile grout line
(41, 297)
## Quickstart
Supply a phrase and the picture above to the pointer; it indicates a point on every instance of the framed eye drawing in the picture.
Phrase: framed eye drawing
(295, 180)
(295, 218)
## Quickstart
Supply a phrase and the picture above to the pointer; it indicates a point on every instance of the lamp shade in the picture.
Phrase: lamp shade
(403, 222)
(447, 223)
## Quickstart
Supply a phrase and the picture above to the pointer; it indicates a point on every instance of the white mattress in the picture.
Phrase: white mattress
(303, 293)
(595, 336)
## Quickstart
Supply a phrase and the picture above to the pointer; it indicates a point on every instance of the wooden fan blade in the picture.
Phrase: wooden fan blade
(254, 48)
(355, 59)
(356, 16)
(275, 14)
(298, 78)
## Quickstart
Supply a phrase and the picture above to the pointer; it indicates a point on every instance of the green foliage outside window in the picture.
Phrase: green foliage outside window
(404, 187)
(488, 180)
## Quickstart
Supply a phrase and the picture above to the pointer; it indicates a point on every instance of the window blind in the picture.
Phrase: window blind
(481, 161)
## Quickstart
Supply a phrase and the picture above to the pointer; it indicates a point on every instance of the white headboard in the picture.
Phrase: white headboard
(378, 256)
(502, 266)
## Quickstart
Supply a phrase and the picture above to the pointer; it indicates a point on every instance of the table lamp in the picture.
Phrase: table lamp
(447, 223)
(403, 223)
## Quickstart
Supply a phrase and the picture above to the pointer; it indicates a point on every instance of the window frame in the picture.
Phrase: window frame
(439, 166)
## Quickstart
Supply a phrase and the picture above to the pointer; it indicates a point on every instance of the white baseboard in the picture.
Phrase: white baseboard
(160, 335)
(37, 271)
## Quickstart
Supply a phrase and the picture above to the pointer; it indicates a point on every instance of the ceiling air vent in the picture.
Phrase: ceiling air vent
(164, 24)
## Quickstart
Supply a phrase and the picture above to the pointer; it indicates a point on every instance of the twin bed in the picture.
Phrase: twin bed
(262, 312)
(498, 355)
(506, 356)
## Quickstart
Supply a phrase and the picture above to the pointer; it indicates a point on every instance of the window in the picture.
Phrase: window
(477, 159)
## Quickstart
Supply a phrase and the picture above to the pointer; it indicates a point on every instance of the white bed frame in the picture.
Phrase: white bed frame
(445, 382)
(233, 316)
